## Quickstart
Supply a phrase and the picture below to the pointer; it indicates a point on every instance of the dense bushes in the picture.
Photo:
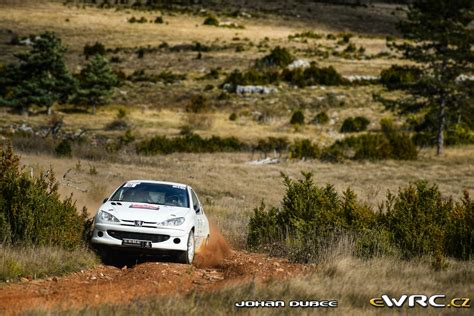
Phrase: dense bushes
(321, 118)
(389, 144)
(272, 69)
(211, 20)
(278, 57)
(415, 222)
(252, 77)
(354, 124)
(31, 211)
(297, 118)
(94, 49)
(303, 149)
(312, 76)
(397, 77)
(189, 143)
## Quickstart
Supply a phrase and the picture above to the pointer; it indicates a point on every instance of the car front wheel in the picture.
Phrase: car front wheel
(188, 255)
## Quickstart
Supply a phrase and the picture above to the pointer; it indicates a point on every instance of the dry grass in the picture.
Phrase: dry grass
(351, 281)
(39, 262)
(111, 28)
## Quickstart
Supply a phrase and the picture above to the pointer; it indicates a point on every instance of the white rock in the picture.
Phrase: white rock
(299, 63)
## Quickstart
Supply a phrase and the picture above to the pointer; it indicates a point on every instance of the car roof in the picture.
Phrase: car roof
(158, 182)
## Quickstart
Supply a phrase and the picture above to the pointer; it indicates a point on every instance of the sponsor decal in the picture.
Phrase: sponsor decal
(182, 187)
(131, 184)
(411, 301)
(145, 206)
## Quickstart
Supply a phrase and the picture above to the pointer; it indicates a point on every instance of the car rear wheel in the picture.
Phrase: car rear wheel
(188, 255)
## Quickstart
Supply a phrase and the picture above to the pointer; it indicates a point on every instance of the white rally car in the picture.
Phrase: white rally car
(149, 217)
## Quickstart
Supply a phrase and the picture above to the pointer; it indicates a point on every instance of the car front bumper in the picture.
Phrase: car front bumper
(102, 236)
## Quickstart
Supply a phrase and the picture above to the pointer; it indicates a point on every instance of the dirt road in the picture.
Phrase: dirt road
(215, 267)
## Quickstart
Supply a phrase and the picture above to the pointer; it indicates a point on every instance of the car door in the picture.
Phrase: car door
(202, 223)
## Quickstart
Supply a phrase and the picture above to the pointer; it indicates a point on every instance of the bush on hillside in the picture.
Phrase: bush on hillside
(307, 210)
(372, 146)
(94, 49)
(31, 211)
(354, 124)
(399, 77)
(303, 149)
(312, 76)
(297, 118)
(252, 77)
(211, 20)
(278, 57)
(416, 222)
(277, 144)
(320, 118)
(191, 143)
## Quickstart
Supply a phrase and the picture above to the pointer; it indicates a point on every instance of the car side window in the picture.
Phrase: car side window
(195, 200)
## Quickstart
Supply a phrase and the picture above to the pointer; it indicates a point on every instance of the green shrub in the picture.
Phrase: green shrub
(415, 222)
(417, 218)
(211, 20)
(135, 20)
(63, 149)
(351, 48)
(159, 20)
(199, 104)
(303, 149)
(189, 143)
(313, 75)
(166, 77)
(306, 34)
(277, 144)
(309, 217)
(354, 124)
(233, 116)
(31, 210)
(297, 118)
(398, 77)
(459, 241)
(278, 57)
(252, 77)
(346, 37)
(373, 146)
(94, 49)
(321, 118)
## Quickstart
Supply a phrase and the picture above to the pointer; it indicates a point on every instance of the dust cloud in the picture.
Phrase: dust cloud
(215, 252)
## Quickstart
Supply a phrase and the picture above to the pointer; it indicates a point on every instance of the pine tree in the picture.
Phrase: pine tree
(96, 82)
(438, 38)
(41, 78)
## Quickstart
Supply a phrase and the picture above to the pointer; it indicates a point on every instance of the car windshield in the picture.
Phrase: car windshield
(153, 193)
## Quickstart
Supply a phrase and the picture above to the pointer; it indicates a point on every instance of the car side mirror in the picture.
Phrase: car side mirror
(105, 200)
(197, 208)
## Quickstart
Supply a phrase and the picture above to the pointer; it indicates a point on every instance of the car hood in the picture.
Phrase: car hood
(133, 211)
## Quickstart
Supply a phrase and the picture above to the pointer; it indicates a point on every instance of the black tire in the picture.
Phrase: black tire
(107, 256)
(187, 256)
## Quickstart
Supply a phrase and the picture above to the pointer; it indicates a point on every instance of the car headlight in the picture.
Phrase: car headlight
(173, 221)
(107, 217)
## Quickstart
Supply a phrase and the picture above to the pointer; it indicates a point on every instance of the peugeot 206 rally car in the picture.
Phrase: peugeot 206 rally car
(151, 217)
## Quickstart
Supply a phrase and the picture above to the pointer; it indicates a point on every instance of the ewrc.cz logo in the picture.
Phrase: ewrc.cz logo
(437, 300)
